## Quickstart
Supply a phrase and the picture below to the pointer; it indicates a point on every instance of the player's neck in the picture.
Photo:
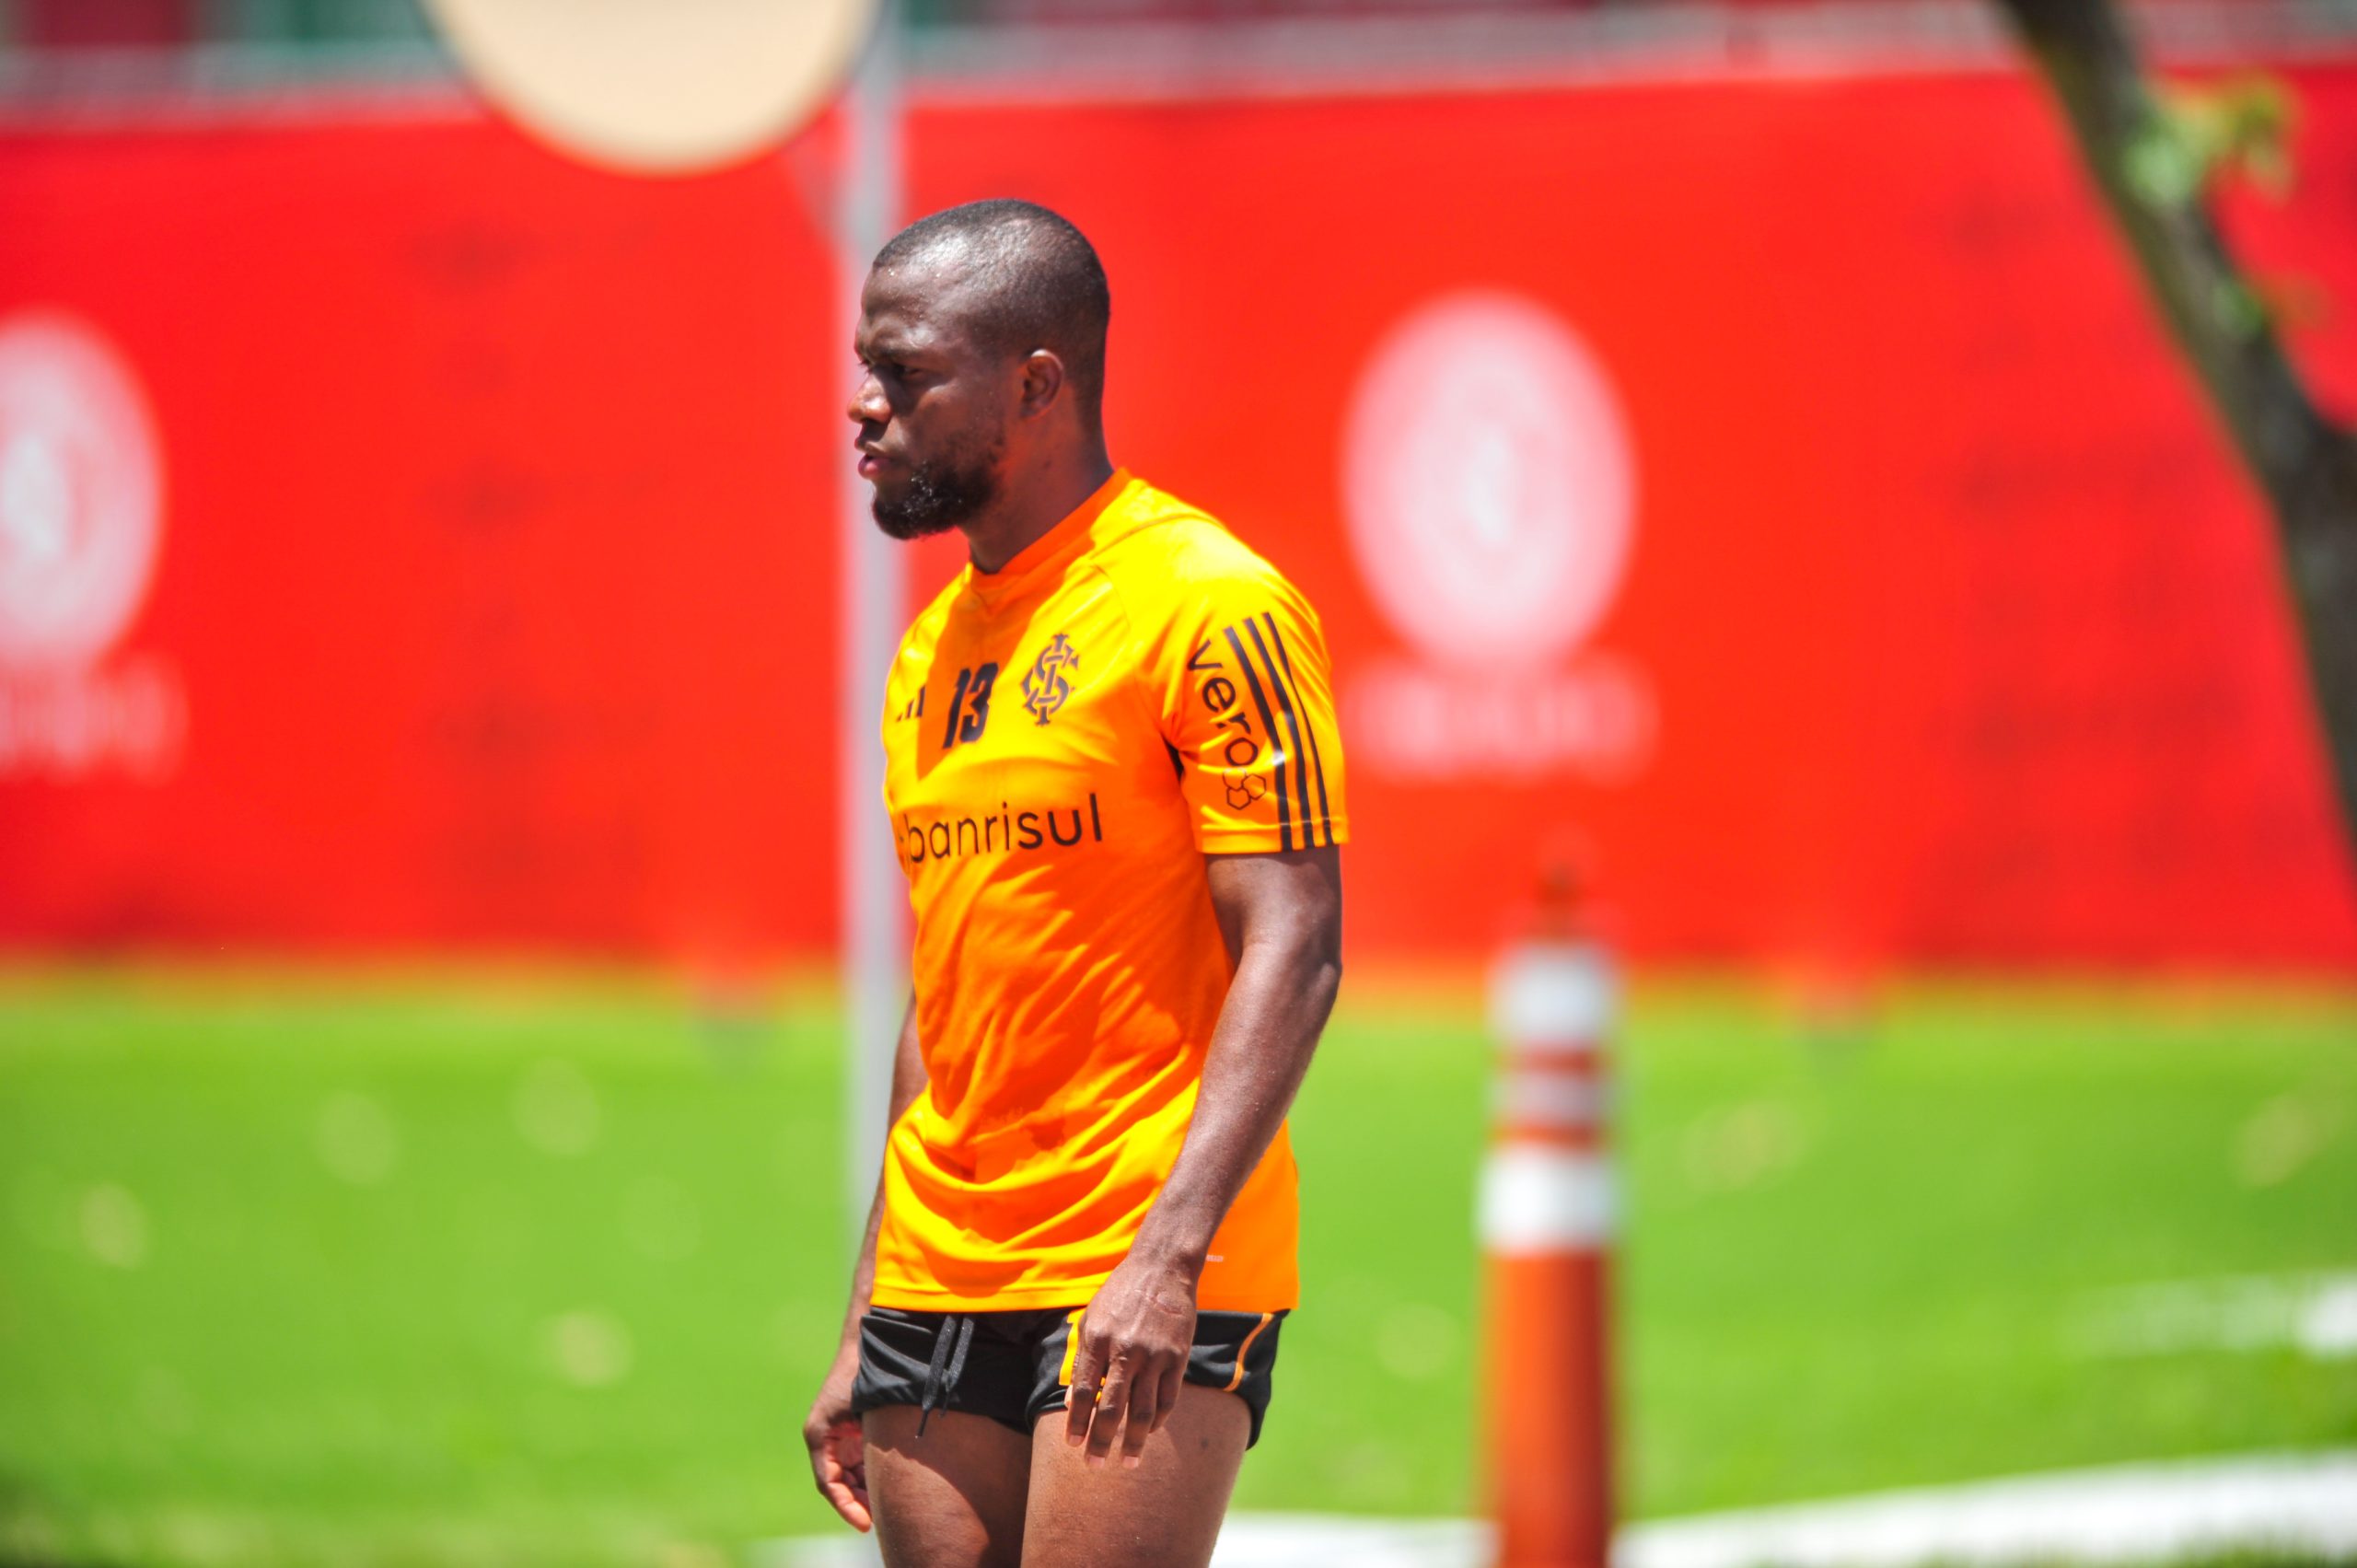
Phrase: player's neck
(1037, 503)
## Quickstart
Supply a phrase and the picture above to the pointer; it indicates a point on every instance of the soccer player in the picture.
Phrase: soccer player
(1112, 771)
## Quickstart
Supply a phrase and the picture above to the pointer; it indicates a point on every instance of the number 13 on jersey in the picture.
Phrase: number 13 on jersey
(970, 708)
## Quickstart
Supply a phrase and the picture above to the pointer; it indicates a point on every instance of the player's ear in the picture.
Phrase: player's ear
(1043, 382)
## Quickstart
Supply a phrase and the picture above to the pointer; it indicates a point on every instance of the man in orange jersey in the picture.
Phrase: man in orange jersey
(1115, 782)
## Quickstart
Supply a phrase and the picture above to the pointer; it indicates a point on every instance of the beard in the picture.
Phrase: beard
(940, 495)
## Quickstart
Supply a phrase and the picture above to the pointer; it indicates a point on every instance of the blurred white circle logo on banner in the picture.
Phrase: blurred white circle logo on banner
(1489, 483)
(656, 87)
(80, 495)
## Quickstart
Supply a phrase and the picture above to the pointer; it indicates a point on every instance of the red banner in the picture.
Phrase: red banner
(1784, 484)
(495, 576)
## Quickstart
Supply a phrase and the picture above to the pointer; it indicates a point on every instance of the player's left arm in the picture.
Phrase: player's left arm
(1280, 915)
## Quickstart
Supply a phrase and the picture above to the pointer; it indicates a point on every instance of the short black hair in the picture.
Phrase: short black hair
(1041, 282)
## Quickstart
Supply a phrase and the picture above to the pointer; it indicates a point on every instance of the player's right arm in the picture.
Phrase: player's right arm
(838, 1456)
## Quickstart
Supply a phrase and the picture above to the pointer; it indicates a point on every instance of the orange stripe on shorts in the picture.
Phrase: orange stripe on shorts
(1072, 1344)
(1237, 1381)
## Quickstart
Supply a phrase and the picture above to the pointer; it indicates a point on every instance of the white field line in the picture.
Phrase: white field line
(2129, 1514)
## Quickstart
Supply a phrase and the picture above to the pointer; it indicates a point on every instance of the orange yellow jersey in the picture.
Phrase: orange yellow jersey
(1065, 740)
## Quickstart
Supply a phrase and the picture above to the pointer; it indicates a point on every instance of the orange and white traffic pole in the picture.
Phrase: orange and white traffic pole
(1547, 1212)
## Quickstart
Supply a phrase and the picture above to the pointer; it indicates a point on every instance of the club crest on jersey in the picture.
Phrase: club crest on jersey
(1045, 687)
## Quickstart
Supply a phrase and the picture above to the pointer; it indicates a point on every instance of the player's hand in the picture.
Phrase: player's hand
(838, 1453)
(1133, 1357)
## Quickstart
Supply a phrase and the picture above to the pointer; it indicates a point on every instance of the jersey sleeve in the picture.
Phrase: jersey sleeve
(1248, 711)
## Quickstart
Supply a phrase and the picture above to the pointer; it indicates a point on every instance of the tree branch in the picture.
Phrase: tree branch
(2305, 464)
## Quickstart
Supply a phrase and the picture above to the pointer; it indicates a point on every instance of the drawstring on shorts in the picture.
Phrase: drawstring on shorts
(950, 1342)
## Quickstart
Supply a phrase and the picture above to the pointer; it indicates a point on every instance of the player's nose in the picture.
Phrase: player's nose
(867, 406)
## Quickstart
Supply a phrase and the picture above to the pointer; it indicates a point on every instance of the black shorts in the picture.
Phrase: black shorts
(1016, 1366)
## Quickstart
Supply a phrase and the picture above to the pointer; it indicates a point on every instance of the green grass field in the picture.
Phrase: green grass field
(355, 1269)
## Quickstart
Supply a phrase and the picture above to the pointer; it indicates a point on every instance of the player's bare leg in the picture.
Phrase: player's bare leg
(953, 1498)
(1164, 1514)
